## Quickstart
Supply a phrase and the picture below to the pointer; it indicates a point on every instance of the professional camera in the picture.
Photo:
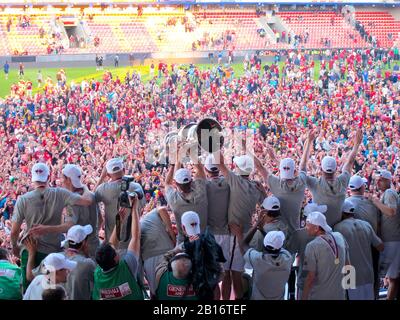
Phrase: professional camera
(129, 191)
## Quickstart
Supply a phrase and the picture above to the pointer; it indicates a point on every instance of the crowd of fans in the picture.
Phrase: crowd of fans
(286, 110)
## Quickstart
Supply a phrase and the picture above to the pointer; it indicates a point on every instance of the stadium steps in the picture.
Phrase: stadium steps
(264, 24)
(379, 24)
(319, 26)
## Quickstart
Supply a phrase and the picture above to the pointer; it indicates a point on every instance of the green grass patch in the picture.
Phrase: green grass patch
(77, 74)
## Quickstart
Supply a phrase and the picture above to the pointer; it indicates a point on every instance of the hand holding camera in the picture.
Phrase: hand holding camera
(131, 192)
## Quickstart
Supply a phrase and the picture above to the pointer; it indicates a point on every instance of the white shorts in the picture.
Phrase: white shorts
(363, 292)
(232, 254)
(150, 266)
(389, 264)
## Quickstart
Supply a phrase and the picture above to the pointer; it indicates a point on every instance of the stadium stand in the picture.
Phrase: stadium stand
(174, 29)
(322, 26)
(380, 24)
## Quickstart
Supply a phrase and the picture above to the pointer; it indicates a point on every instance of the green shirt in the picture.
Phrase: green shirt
(117, 284)
(171, 288)
(10, 281)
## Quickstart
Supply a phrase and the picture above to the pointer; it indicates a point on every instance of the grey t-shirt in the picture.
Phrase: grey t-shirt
(154, 238)
(290, 195)
(365, 210)
(218, 193)
(258, 240)
(390, 228)
(330, 193)
(245, 195)
(108, 193)
(319, 258)
(87, 215)
(360, 236)
(195, 201)
(79, 284)
(296, 244)
(270, 274)
(44, 206)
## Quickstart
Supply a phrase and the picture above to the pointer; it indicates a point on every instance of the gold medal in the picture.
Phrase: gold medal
(337, 261)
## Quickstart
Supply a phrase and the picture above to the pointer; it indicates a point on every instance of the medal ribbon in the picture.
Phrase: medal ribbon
(333, 246)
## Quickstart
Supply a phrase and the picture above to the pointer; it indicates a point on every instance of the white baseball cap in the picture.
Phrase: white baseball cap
(74, 173)
(58, 261)
(191, 221)
(274, 239)
(209, 163)
(135, 187)
(245, 164)
(271, 203)
(384, 174)
(356, 182)
(318, 219)
(40, 172)
(328, 164)
(114, 165)
(183, 176)
(311, 207)
(348, 206)
(77, 234)
(286, 168)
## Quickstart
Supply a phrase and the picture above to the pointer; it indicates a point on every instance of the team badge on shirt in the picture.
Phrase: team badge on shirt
(119, 292)
(177, 291)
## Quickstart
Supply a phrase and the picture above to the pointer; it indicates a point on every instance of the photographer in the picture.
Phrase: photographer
(42, 210)
(173, 277)
(109, 193)
(116, 278)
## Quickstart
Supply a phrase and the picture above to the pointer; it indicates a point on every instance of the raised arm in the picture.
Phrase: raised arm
(31, 246)
(244, 241)
(221, 164)
(352, 156)
(103, 177)
(170, 176)
(264, 172)
(113, 238)
(200, 174)
(134, 244)
(307, 150)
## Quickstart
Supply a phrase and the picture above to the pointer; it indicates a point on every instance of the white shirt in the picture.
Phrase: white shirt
(35, 289)
(37, 286)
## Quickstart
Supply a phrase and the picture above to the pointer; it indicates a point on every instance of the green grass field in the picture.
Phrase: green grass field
(78, 74)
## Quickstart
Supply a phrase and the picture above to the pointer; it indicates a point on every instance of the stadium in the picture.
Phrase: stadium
(199, 150)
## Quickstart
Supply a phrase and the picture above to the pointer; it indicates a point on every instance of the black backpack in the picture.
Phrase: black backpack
(207, 256)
